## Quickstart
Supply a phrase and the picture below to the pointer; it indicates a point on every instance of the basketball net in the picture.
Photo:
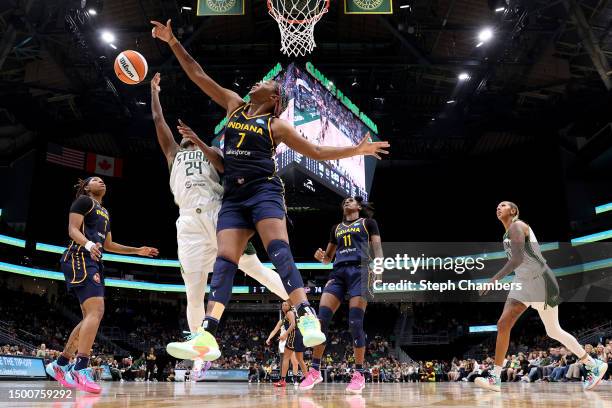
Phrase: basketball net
(296, 20)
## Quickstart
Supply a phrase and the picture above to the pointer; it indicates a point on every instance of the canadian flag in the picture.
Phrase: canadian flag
(104, 165)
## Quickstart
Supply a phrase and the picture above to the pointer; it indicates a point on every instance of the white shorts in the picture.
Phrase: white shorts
(196, 237)
(281, 346)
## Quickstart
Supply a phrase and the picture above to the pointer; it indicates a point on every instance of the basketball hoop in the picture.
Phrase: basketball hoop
(296, 20)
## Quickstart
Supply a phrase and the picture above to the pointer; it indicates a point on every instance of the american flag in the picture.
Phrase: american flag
(65, 157)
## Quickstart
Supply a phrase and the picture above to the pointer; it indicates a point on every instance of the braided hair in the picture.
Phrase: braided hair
(283, 98)
(367, 208)
(80, 187)
(514, 207)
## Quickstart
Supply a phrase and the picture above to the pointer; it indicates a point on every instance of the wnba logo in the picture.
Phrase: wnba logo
(96, 277)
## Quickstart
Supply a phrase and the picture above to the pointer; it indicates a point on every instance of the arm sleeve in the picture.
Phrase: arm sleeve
(372, 227)
(82, 205)
(332, 235)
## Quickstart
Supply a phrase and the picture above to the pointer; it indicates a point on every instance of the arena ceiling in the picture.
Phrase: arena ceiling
(547, 61)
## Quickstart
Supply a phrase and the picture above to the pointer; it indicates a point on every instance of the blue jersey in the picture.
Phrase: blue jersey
(248, 149)
(352, 240)
(96, 224)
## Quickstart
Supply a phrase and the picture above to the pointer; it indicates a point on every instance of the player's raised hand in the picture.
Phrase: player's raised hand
(148, 251)
(367, 148)
(320, 255)
(163, 32)
(95, 252)
(155, 83)
(188, 133)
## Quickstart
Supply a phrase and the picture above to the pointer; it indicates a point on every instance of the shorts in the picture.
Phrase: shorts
(196, 238)
(345, 279)
(259, 201)
(539, 291)
(84, 276)
(295, 341)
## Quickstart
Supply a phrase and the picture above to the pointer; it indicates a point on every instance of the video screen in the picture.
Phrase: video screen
(322, 119)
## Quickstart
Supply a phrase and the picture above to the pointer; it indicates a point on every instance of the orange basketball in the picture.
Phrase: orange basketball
(131, 67)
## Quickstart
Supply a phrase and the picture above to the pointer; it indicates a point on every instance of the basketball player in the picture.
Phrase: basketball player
(194, 181)
(349, 242)
(89, 228)
(539, 290)
(253, 194)
(293, 347)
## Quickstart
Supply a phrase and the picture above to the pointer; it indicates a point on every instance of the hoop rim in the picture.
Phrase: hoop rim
(279, 17)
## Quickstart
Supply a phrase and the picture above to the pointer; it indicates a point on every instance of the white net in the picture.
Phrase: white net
(296, 20)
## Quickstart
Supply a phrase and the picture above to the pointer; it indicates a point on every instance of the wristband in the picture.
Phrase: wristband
(172, 41)
(89, 245)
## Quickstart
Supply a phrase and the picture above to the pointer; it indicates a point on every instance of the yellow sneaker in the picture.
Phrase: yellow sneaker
(200, 344)
(310, 327)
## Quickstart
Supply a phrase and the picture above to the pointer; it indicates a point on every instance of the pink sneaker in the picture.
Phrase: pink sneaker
(84, 381)
(357, 383)
(312, 379)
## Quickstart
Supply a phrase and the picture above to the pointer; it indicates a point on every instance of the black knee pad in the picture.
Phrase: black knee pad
(222, 280)
(356, 326)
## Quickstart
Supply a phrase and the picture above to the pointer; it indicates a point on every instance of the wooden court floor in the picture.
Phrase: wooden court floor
(234, 395)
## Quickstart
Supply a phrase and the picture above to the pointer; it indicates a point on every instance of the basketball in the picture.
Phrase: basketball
(131, 67)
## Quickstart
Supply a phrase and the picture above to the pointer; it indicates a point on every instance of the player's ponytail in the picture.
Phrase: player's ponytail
(514, 207)
(367, 208)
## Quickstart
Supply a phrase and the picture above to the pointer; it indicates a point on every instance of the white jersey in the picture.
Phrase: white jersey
(194, 181)
(533, 262)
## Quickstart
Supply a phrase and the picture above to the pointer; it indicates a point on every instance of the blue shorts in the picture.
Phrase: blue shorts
(83, 275)
(345, 279)
(295, 341)
(258, 201)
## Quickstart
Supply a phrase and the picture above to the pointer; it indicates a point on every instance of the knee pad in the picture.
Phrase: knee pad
(325, 315)
(281, 257)
(356, 326)
(222, 280)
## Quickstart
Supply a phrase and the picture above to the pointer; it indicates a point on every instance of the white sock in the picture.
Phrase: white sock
(497, 370)
(252, 266)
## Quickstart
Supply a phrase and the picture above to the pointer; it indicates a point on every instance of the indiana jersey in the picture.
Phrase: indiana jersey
(193, 180)
(533, 261)
(96, 223)
(248, 148)
(352, 240)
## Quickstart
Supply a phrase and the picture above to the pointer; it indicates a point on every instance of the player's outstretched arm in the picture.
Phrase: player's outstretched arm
(211, 154)
(164, 134)
(117, 248)
(287, 134)
(227, 99)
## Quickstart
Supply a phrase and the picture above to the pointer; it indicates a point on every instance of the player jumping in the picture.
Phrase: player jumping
(253, 193)
(194, 181)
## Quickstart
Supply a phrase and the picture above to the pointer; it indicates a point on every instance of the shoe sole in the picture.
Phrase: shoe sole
(485, 385)
(310, 387)
(349, 391)
(314, 340)
(604, 368)
(177, 350)
(85, 388)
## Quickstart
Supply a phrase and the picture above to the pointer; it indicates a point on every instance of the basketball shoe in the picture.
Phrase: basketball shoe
(84, 381)
(200, 344)
(61, 373)
(312, 378)
(310, 327)
(357, 383)
(594, 374)
(281, 384)
(492, 382)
